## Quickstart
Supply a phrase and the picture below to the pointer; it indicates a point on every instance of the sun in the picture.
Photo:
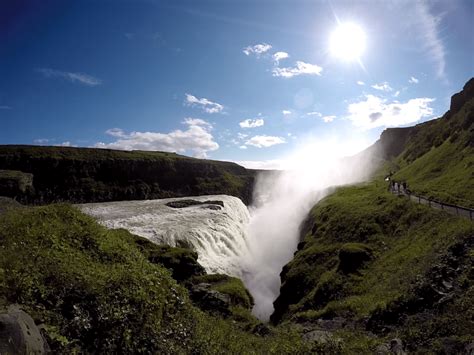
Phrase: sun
(348, 42)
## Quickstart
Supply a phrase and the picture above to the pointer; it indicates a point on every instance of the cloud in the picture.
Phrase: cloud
(115, 132)
(248, 123)
(80, 78)
(360, 82)
(433, 45)
(280, 56)
(5, 107)
(286, 112)
(257, 49)
(413, 80)
(314, 113)
(196, 139)
(205, 104)
(264, 141)
(328, 119)
(382, 87)
(377, 112)
(129, 35)
(65, 144)
(300, 69)
(397, 93)
(41, 141)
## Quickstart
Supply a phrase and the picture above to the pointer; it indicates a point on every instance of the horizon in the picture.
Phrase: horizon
(254, 84)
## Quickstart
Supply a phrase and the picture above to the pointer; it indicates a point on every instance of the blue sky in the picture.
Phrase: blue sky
(229, 80)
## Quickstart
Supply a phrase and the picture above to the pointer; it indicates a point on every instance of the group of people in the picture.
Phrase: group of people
(400, 187)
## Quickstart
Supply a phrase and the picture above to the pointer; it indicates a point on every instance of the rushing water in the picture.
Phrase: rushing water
(218, 234)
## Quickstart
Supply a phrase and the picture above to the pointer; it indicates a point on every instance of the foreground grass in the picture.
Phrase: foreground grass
(95, 290)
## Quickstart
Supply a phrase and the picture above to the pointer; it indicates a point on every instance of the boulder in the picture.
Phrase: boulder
(210, 300)
(394, 347)
(19, 333)
(352, 256)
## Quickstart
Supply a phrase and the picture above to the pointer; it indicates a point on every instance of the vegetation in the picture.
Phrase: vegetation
(438, 160)
(96, 175)
(369, 256)
(98, 290)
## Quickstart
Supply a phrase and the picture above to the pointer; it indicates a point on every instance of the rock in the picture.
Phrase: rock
(318, 336)
(394, 347)
(261, 330)
(188, 203)
(352, 256)
(19, 334)
(210, 300)
(382, 349)
(469, 349)
(15, 183)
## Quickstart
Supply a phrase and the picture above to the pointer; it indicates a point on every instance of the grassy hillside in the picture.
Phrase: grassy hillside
(94, 175)
(436, 158)
(373, 263)
(384, 265)
(95, 290)
(438, 161)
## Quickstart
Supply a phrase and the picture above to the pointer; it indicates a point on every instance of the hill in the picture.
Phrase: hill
(373, 263)
(51, 174)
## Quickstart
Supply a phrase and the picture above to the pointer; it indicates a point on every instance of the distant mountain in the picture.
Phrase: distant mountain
(39, 174)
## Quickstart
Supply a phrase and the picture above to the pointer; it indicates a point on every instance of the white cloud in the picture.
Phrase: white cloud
(243, 147)
(382, 87)
(264, 141)
(377, 112)
(280, 56)
(4, 107)
(205, 104)
(242, 135)
(360, 82)
(429, 26)
(413, 80)
(314, 113)
(115, 132)
(248, 123)
(397, 93)
(328, 119)
(257, 49)
(196, 139)
(286, 112)
(80, 78)
(300, 69)
(41, 141)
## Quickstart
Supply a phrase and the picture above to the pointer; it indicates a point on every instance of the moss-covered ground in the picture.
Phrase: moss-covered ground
(383, 264)
(95, 290)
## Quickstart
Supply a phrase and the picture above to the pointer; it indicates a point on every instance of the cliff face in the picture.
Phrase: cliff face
(97, 175)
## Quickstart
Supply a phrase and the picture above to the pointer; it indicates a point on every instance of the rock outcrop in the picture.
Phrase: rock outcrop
(19, 333)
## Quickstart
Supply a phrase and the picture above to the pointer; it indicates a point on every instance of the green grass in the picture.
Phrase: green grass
(438, 161)
(404, 240)
(98, 291)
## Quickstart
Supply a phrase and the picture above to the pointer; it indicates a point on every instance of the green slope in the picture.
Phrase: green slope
(373, 263)
(105, 291)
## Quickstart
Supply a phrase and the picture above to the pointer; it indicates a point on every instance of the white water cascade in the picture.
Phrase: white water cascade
(217, 234)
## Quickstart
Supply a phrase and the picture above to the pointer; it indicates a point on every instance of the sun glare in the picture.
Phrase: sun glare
(347, 42)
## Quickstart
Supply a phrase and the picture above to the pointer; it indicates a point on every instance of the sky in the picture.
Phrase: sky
(245, 81)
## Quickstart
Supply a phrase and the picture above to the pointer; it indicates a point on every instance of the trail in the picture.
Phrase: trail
(398, 189)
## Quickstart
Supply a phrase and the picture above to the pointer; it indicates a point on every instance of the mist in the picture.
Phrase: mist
(282, 199)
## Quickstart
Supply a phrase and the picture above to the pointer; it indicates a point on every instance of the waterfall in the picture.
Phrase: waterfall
(217, 233)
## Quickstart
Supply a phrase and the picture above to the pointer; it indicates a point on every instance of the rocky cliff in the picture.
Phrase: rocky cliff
(98, 175)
